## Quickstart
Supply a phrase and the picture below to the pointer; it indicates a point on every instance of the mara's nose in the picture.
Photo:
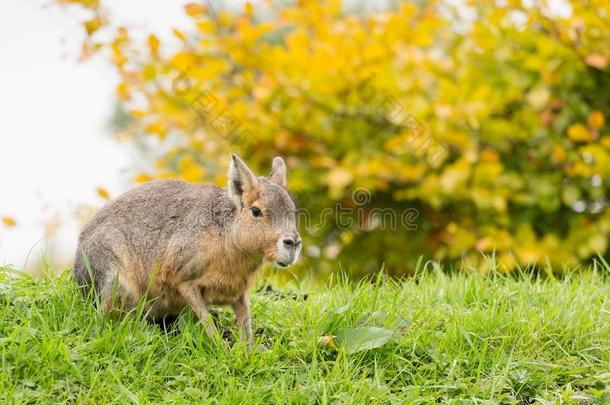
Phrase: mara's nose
(290, 242)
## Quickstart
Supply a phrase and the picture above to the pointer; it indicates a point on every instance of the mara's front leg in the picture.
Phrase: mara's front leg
(241, 307)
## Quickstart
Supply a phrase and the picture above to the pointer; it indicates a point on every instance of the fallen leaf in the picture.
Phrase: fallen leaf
(364, 338)
(326, 341)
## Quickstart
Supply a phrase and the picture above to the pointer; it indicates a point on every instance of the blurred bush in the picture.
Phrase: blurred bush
(451, 131)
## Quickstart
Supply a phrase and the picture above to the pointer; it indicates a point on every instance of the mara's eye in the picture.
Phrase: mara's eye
(256, 212)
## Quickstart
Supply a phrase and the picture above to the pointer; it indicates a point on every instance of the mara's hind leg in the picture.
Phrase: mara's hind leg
(117, 296)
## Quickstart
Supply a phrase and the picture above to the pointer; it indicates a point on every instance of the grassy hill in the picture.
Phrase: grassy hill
(435, 337)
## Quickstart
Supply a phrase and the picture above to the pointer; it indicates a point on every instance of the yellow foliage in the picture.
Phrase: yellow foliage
(491, 128)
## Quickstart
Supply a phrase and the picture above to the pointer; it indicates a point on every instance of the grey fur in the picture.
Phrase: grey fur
(187, 232)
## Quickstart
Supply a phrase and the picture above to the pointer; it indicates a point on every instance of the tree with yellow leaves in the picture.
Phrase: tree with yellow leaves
(446, 131)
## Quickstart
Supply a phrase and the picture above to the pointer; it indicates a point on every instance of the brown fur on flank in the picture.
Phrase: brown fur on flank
(184, 244)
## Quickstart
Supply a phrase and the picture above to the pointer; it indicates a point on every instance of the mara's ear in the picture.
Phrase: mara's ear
(278, 171)
(241, 179)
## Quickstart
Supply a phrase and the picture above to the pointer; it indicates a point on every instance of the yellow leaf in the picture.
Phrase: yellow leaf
(538, 97)
(485, 244)
(596, 60)
(596, 119)
(225, 18)
(455, 176)
(123, 91)
(9, 222)
(149, 72)
(179, 34)
(489, 156)
(143, 178)
(93, 25)
(190, 170)
(347, 237)
(194, 9)
(579, 133)
(158, 128)
(121, 34)
(249, 9)
(153, 44)
(558, 153)
(206, 26)
(103, 193)
(137, 113)
(339, 178)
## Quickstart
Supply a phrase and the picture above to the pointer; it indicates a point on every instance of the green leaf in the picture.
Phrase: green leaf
(358, 339)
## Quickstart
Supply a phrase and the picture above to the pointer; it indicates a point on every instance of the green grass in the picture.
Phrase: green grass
(455, 338)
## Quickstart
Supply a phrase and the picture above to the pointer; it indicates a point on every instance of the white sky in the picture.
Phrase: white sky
(55, 147)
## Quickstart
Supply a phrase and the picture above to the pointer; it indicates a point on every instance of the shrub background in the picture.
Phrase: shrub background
(487, 119)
